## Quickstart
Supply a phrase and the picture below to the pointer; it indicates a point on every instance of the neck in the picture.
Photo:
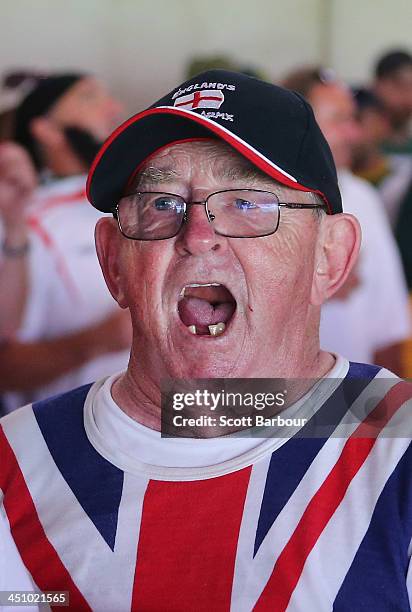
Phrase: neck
(139, 395)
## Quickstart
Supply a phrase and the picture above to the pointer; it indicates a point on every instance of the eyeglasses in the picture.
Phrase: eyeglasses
(235, 213)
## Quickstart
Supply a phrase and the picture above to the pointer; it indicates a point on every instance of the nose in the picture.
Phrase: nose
(197, 236)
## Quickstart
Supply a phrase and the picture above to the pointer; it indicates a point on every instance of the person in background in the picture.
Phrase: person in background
(48, 243)
(393, 86)
(386, 159)
(369, 317)
(391, 174)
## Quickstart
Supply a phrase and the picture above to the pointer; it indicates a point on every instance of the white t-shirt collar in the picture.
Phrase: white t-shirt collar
(138, 449)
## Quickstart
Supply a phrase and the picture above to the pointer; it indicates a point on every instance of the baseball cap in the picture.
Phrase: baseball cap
(272, 127)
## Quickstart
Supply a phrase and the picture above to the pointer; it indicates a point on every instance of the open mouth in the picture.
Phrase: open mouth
(206, 308)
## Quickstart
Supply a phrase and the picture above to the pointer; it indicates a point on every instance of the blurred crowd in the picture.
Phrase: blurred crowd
(59, 326)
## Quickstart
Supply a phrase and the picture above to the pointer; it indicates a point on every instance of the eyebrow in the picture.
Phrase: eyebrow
(152, 175)
(238, 172)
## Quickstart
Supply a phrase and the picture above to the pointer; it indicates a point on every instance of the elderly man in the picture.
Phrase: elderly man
(221, 252)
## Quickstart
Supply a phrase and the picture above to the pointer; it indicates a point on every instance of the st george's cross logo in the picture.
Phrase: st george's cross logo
(207, 98)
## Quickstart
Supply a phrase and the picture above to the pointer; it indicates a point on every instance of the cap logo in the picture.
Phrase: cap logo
(206, 98)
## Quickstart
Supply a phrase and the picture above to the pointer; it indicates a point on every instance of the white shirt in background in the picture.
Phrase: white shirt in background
(67, 291)
(376, 313)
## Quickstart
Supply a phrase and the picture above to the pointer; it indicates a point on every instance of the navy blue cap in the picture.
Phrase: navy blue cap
(272, 127)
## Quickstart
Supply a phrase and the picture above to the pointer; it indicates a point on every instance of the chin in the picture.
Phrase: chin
(208, 367)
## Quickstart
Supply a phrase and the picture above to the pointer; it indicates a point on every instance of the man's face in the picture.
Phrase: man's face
(87, 105)
(396, 93)
(334, 110)
(265, 282)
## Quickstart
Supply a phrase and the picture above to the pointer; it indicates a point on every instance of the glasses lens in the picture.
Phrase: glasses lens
(244, 213)
(150, 216)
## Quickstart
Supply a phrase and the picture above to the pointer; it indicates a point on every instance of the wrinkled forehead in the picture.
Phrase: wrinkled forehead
(208, 153)
(210, 158)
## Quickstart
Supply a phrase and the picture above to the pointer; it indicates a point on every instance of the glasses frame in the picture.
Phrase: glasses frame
(210, 216)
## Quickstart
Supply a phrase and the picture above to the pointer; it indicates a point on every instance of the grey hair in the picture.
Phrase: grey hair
(155, 175)
(318, 213)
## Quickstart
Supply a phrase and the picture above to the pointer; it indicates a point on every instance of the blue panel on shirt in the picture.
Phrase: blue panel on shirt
(291, 461)
(96, 483)
(376, 579)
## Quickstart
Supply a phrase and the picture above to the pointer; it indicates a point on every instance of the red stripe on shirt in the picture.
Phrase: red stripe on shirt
(187, 545)
(289, 566)
(36, 551)
(59, 200)
(61, 266)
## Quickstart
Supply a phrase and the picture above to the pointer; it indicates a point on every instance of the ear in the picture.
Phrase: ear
(108, 246)
(46, 132)
(337, 252)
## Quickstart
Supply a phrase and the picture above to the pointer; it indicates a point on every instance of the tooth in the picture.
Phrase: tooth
(182, 292)
(203, 285)
(192, 329)
(216, 330)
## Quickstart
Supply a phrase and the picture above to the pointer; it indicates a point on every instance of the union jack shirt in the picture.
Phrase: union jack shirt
(314, 524)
